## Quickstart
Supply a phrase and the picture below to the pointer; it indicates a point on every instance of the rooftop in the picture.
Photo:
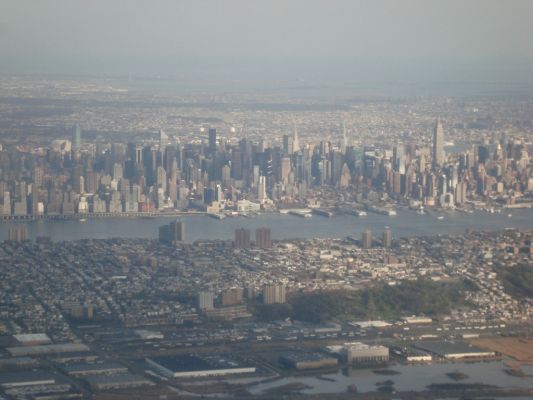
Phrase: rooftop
(195, 363)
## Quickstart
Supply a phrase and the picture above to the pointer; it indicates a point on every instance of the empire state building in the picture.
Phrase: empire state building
(438, 144)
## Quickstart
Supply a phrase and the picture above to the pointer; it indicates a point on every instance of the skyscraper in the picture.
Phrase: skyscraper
(17, 233)
(38, 176)
(261, 189)
(274, 294)
(438, 144)
(242, 238)
(232, 296)
(172, 233)
(366, 241)
(212, 141)
(5, 208)
(205, 300)
(262, 238)
(76, 137)
(295, 141)
(287, 145)
(344, 143)
(163, 138)
(387, 238)
(285, 169)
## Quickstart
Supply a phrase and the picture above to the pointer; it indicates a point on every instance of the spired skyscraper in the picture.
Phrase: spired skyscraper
(438, 144)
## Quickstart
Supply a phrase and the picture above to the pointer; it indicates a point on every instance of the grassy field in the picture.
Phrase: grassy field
(521, 349)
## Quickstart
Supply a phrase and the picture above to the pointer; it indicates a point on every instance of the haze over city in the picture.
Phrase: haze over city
(237, 41)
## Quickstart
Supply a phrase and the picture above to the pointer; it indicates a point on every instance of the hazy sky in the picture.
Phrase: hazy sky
(288, 39)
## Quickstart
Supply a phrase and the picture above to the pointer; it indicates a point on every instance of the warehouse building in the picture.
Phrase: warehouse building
(361, 353)
(192, 366)
(455, 350)
(301, 360)
(32, 339)
(18, 379)
(16, 362)
(117, 381)
(411, 355)
(46, 349)
(414, 320)
(370, 324)
(149, 335)
(82, 369)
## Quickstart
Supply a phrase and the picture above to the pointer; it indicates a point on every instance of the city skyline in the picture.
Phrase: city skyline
(266, 199)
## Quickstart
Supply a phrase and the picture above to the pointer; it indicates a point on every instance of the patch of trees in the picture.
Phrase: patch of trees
(518, 281)
(379, 302)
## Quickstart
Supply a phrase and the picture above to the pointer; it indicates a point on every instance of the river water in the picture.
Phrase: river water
(283, 226)
(409, 377)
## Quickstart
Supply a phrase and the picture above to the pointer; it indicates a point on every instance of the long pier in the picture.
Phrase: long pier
(61, 217)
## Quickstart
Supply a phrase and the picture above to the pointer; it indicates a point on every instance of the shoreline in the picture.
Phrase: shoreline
(5, 219)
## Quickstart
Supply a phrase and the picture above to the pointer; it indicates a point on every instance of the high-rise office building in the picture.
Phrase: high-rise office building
(261, 189)
(387, 238)
(274, 294)
(212, 141)
(138, 154)
(285, 169)
(118, 171)
(461, 192)
(38, 176)
(5, 208)
(366, 240)
(76, 137)
(287, 145)
(295, 141)
(262, 238)
(163, 138)
(438, 144)
(242, 238)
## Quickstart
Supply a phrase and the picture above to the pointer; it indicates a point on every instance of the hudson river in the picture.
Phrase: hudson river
(406, 223)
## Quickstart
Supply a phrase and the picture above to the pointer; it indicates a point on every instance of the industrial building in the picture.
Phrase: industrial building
(455, 350)
(46, 349)
(361, 353)
(10, 380)
(16, 362)
(328, 327)
(117, 381)
(228, 313)
(32, 339)
(191, 366)
(414, 320)
(411, 355)
(301, 360)
(82, 369)
(370, 324)
(149, 335)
